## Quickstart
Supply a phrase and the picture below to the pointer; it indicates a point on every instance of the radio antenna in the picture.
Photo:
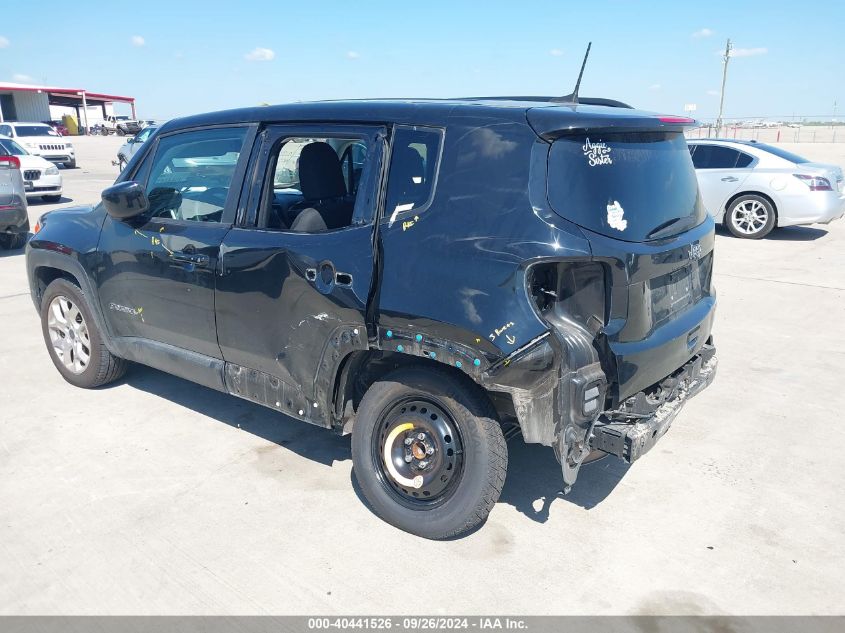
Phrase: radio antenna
(573, 98)
(581, 74)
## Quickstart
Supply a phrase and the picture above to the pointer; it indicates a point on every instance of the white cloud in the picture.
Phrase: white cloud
(654, 87)
(4, 42)
(556, 52)
(748, 52)
(702, 33)
(353, 55)
(713, 93)
(260, 55)
(25, 79)
(137, 40)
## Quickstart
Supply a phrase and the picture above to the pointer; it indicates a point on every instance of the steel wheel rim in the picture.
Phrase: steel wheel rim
(749, 217)
(69, 335)
(422, 430)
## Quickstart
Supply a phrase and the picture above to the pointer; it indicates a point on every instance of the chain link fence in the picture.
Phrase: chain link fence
(772, 132)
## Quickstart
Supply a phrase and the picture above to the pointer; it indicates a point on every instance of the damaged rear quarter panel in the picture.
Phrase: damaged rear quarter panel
(456, 276)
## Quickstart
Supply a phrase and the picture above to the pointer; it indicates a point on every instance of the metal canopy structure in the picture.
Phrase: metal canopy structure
(69, 97)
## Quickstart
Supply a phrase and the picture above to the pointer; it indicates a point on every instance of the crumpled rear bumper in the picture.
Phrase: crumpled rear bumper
(630, 432)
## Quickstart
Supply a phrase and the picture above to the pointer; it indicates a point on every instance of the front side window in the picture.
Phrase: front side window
(414, 162)
(314, 184)
(192, 173)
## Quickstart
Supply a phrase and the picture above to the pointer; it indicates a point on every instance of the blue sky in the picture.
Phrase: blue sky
(182, 56)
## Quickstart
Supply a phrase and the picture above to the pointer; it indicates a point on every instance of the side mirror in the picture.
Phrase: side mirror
(125, 200)
(131, 140)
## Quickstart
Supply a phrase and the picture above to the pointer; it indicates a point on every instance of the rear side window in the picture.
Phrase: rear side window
(744, 160)
(715, 157)
(414, 163)
(631, 186)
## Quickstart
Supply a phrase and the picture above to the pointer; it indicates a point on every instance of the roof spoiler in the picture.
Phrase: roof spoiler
(553, 123)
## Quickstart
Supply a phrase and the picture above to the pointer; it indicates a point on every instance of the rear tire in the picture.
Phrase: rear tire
(750, 217)
(447, 455)
(73, 341)
(51, 198)
(70, 165)
(12, 241)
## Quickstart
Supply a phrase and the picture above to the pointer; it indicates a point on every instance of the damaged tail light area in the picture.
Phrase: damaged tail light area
(570, 291)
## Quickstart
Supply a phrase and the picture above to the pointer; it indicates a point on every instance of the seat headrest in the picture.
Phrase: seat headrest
(320, 172)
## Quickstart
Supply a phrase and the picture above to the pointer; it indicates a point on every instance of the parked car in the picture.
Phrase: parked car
(58, 126)
(41, 178)
(14, 221)
(120, 125)
(417, 273)
(132, 145)
(42, 140)
(752, 187)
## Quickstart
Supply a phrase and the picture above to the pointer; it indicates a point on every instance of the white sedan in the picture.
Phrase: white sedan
(753, 187)
(41, 178)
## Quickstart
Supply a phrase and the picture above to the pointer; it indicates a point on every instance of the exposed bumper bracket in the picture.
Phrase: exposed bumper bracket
(630, 432)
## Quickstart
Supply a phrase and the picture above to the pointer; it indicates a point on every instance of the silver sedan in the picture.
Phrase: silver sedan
(753, 187)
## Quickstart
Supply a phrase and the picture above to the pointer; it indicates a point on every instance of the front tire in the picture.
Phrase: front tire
(51, 198)
(70, 165)
(428, 452)
(750, 217)
(75, 345)
(121, 132)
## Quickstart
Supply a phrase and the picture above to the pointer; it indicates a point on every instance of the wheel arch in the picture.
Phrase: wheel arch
(44, 267)
(360, 369)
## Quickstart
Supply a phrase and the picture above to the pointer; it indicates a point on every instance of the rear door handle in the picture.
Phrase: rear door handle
(191, 258)
(729, 179)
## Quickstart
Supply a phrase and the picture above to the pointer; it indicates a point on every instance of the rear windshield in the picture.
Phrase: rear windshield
(782, 153)
(35, 130)
(633, 186)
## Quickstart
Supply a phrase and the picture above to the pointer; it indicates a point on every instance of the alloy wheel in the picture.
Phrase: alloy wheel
(69, 334)
(749, 217)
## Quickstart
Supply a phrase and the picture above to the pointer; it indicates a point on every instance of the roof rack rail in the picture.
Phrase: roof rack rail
(599, 101)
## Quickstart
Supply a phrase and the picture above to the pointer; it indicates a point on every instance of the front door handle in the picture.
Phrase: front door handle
(729, 179)
(197, 259)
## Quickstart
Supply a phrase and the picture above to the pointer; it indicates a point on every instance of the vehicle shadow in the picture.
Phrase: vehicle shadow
(796, 234)
(784, 234)
(313, 442)
(40, 201)
(533, 483)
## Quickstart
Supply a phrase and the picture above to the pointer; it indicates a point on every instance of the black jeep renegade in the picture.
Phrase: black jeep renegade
(416, 272)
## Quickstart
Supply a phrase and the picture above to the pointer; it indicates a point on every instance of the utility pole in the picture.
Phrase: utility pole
(725, 61)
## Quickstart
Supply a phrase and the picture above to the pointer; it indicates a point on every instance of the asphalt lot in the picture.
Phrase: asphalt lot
(157, 496)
